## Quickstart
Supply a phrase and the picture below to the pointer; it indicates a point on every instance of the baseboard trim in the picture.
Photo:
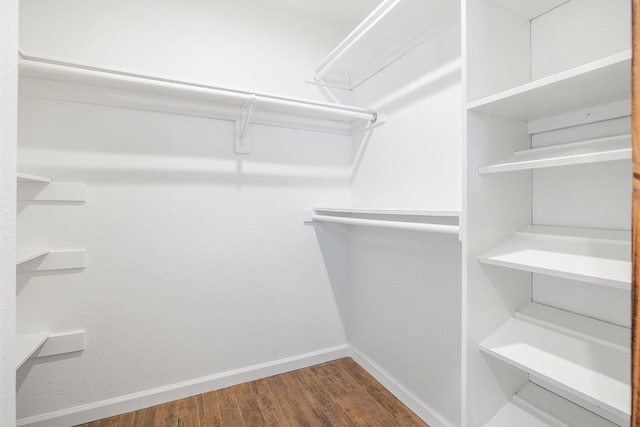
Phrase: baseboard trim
(144, 399)
(417, 405)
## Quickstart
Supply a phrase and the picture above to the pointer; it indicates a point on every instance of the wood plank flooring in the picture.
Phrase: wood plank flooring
(334, 394)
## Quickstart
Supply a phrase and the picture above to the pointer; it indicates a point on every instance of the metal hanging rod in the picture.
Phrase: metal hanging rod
(360, 31)
(41, 66)
(413, 226)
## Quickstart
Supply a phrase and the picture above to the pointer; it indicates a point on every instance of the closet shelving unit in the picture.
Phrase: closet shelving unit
(389, 32)
(446, 222)
(566, 368)
(28, 344)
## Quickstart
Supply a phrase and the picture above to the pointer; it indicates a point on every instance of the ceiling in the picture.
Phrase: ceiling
(345, 14)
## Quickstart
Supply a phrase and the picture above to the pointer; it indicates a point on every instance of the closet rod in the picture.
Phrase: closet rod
(360, 31)
(413, 226)
(44, 67)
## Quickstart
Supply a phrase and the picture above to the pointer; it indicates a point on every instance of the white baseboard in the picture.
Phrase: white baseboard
(417, 405)
(132, 402)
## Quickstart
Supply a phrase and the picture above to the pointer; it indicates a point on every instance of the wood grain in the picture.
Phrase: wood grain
(338, 393)
(635, 290)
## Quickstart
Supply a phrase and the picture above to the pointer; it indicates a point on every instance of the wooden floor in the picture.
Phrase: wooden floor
(338, 393)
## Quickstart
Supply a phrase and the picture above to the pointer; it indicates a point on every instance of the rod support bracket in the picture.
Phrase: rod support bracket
(243, 145)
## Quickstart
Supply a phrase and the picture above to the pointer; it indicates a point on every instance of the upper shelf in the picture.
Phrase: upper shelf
(600, 82)
(602, 257)
(592, 151)
(390, 31)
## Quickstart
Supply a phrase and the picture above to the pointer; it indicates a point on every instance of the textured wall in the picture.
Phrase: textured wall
(8, 127)
(198, 262)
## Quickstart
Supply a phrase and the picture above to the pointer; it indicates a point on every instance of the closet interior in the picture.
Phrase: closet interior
(210, 193)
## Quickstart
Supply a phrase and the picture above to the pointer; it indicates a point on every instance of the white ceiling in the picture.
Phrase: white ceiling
(345, 14)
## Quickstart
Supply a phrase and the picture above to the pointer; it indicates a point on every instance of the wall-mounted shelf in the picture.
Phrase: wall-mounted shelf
(533, 406)
(24, 255)
(394, 28)
(25, 177)
(599, 82)
(50, 259)
(566, 359)
(529, 9)
(592, 151)
(602, 257)
(42, 344)
(27, 345)
(414, 220)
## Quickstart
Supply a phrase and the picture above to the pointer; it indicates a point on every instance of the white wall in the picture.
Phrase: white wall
(198, 262)
(248, 44)
(403, 303)
(8, 137)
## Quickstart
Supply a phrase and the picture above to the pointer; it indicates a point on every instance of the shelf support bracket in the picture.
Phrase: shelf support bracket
(242, 127)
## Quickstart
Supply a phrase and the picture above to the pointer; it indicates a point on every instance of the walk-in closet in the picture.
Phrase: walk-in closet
(421, 200)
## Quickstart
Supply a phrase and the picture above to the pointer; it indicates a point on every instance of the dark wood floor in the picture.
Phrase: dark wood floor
(338, 393)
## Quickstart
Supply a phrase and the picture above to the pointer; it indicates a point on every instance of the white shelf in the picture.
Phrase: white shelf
(25, 177)
(529, 9)
(533, 406)
(390, 31)
(445, 222)
(600, 82)
(587, 370)
(26, 345)
(27, 254)
(602, 257)
(592, 151)
(376, 211)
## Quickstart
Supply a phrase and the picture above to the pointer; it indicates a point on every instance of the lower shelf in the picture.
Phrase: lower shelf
(533, 406)
(42, 344)
(559, 352)
(28, 344)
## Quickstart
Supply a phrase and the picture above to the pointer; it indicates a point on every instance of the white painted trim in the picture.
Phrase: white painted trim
(417, 405)
(144, 399)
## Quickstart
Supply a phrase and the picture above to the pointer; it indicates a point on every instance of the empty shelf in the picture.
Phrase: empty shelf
(32, 178)
(600, 82)
(602, 257)
(533, 406)
(587, 370)
(592, 151)
(28, 344)
(27, 254)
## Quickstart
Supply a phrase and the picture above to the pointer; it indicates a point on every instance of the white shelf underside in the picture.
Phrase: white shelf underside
(28, 344)
(576, 254)
(589, 371)
(593, 151)
(600, 82)
(27, 254)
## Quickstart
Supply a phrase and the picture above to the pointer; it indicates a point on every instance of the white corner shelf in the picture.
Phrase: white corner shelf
(592, 151)
(602, 257)
(591, 370)
(534, 406)
(394, 28)
(27, 254)
(599, 82)
(529, 9)
(52, 259)
(25, 177)
(27, 345)
(434, 221)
